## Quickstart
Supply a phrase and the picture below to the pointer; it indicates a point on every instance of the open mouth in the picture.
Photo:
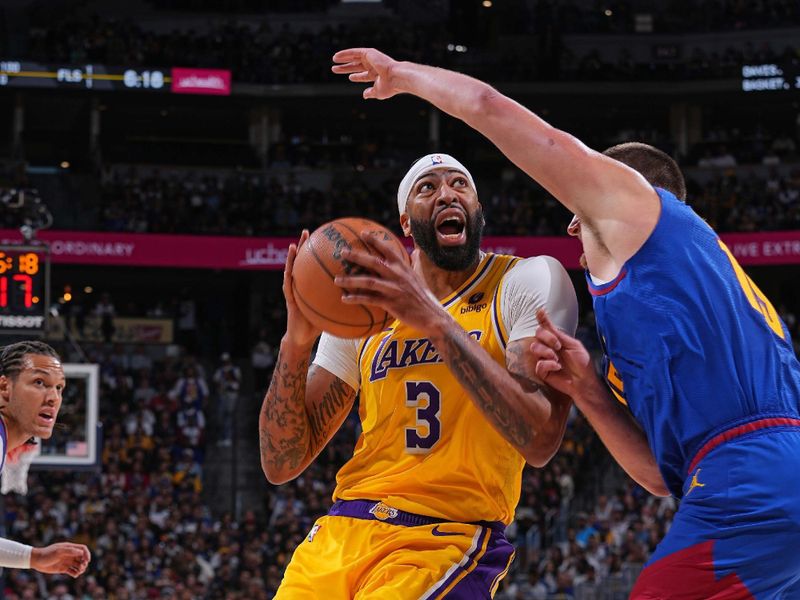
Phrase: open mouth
(451, 226)
(47, 418)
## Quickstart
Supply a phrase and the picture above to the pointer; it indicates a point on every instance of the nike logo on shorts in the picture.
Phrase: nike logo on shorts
(435, 531)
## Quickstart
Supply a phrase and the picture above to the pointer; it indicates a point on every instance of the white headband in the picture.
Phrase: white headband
(425, 165)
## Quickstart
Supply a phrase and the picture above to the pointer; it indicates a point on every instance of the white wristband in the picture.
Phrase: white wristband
(15, 555)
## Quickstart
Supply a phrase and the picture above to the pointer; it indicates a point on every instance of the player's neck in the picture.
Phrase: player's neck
(442, 283)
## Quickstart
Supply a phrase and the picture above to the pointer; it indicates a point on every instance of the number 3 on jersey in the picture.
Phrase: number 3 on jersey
(425, 398)
(755, 296)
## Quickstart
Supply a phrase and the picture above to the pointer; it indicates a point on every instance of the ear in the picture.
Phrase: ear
(5, 390)
(405, 224)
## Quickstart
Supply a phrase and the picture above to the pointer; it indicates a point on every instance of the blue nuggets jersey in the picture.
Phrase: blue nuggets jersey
(692, 345)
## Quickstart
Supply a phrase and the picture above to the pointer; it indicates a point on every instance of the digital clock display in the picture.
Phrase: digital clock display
(14, 73)
(176, 80)
(24, 288)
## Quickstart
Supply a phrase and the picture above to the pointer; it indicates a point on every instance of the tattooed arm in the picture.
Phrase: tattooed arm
(532, 421)
(531, 418)
(302, 409)
(549, 433)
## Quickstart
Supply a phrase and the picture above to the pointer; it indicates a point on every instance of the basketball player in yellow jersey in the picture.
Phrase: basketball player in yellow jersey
(421, 508)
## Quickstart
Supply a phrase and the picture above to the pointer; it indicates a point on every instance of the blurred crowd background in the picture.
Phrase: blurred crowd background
(178, 507)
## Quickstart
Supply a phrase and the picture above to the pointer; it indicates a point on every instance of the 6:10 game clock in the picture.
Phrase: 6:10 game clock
(24, 288)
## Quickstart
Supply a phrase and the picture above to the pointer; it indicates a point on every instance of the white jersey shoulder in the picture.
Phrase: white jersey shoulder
(533, 283)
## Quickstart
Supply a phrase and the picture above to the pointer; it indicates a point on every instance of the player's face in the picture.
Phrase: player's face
(32, 400)
(446, 219)
(574, 229)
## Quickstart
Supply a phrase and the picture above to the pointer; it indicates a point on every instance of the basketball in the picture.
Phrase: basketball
(319, 260)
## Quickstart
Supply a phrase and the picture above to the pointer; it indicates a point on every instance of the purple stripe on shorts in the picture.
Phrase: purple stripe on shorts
(463, 566)
(478, 583)
(372, 510)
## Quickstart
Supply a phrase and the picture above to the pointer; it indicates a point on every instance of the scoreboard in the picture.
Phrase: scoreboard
(176, 80)
(24, 289)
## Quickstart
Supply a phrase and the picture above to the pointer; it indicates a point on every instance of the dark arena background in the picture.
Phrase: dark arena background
(158, 156)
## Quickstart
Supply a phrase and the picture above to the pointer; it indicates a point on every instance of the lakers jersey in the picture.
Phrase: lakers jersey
(425, 448)
(692, 345)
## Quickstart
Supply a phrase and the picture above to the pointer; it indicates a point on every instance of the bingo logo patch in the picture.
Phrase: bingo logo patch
(383, 511)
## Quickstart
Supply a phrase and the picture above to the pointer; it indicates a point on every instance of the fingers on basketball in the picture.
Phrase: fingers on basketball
(320, 260)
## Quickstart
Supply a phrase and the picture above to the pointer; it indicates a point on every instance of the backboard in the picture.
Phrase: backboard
(75, 440)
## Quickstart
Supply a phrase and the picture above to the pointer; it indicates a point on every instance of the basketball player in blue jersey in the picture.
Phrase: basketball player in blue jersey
(31, 384)
(703, 385)
(421, 508)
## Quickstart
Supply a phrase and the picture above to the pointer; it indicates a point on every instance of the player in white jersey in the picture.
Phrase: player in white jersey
(31, 385)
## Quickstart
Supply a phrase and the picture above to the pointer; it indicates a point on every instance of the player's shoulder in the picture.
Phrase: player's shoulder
(540, 269)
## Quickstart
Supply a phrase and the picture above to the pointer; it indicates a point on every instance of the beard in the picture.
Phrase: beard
(450, 258)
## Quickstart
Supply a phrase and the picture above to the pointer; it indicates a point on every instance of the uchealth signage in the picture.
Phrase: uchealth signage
(218, 252)
(215, 82)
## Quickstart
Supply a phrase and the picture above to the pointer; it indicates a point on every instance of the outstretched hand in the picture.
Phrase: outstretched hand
(390, 283)
(64, 558)
(560, 360)
(367, 65)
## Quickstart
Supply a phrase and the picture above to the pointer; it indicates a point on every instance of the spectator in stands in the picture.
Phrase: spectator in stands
(227, 379)
(262, 359)
(104, 309)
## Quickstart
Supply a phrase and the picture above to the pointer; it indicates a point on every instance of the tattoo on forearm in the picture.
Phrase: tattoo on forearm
(329, 409)
(284, 406)
(515, 364)
(469, 371)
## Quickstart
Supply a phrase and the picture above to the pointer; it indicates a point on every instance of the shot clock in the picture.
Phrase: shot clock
(24, 288)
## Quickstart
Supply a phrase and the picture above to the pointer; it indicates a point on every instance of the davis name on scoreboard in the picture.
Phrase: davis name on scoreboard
(770, 77)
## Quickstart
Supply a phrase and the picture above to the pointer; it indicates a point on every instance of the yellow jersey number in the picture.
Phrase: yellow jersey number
(755, 296)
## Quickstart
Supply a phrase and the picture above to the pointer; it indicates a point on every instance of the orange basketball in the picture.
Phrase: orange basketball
(319, 260)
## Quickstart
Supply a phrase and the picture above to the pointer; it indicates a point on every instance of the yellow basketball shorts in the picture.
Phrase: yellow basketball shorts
(363, 549)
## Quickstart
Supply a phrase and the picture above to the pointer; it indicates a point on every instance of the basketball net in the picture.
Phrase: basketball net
(15, 472)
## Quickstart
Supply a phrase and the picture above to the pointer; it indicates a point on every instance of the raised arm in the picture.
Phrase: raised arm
(611, 199)
(303, 407)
